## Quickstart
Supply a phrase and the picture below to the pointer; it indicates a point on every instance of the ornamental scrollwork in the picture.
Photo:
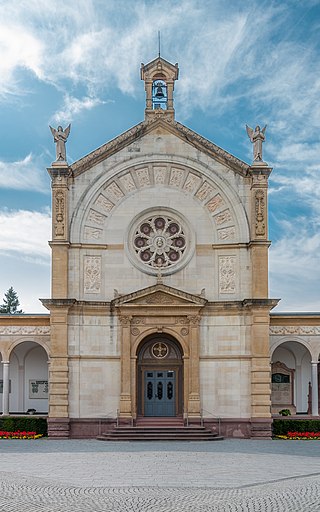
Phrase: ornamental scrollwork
(260, 213)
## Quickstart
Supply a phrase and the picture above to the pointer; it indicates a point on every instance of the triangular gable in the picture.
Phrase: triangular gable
(169, 125)
(159, 294)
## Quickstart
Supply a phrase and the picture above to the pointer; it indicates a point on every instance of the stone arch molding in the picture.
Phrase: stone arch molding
(289, 339)
(213, 193)
(38, 342)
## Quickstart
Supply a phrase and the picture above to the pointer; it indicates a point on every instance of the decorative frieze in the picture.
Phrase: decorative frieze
(92, 233)
(104, 204)
(24, 330)
(227, 274)
(176, 177)
(299, 330)
(143, 177)
(127, 182)
(227, 233)
(92, 274)
(191, 183)
(96, 217)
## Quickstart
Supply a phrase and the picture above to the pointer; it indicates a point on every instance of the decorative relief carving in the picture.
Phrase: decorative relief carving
(114, 192)
(260, 213)
(160, 175)
(223, 217)
(227, 274)
(59, 212)
(125, 320)
(24, 329)
(138, 320)
(184, 331)
(204, 191)
(191, 183)
(92, 233)
(227, 233)
(104, 204)
(127, 182)
(299, 330)
(176, 177)
(135, 331)
(194, 320)
(215, 203)
(96, 217)
(143, 177)
(181, 320)
(92, 274)
(159, 298)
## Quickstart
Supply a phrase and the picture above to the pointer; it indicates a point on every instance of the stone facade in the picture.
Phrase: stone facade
(160, 240)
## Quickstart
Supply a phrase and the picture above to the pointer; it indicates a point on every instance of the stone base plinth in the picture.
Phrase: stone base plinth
(58, 428)
(261, 428)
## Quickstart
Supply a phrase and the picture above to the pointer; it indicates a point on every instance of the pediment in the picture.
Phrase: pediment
(165, 124)
(159, 295)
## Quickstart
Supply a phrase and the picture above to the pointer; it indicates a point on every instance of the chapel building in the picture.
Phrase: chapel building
(160, 305)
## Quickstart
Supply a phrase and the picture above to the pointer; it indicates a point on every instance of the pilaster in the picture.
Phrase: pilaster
(194, 374)
(125, 396)
(259, 243)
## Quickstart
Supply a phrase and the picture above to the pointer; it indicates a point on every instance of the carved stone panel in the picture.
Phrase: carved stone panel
(114, 192)
(59, 214)
(96, 217)
(92, 274)
(92, 233)
(104, 204)
(143, 177)
(227, 274)
(215, 203)
(127, 182)
(260, 213)
(205, 191)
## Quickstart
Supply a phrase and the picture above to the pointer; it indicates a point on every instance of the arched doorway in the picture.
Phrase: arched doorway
(160, 377)
(291, 374)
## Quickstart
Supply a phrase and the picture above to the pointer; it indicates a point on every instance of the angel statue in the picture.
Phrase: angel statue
(257, 137)
(60, 138)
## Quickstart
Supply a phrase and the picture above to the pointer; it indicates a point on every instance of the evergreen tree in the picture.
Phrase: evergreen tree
(10, 303)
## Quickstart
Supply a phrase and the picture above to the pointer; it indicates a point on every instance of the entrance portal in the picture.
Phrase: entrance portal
(159, 393)
(160, 377)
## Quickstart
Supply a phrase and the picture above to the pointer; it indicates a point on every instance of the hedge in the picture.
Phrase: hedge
(282, 426)
(29, 424)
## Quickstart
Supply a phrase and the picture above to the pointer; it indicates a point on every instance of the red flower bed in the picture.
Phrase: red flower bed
(19, 435)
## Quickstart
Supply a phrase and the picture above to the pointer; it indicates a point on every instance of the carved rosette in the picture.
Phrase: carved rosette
(92, 274)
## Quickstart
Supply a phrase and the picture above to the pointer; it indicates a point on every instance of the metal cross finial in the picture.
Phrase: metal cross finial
(159, 40)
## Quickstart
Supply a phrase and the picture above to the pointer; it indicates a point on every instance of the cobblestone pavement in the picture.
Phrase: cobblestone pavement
(91, 476)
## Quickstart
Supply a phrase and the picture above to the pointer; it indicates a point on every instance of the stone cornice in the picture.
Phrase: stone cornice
(172, 126)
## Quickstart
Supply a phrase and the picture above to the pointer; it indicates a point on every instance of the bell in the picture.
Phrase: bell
(159, 94)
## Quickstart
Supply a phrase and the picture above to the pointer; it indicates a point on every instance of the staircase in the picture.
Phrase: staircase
(160, 429)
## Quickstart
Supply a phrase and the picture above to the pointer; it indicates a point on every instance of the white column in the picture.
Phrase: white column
(5, 391)
(314, 383)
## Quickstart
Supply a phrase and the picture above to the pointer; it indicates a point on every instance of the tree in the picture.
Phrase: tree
(10, 303)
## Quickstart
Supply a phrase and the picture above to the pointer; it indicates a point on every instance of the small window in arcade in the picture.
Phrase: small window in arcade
(280, 378)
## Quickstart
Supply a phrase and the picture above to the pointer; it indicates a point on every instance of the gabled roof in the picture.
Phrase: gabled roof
(159, 294)
(147, 126)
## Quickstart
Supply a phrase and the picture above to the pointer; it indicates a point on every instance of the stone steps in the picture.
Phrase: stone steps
(160, 433)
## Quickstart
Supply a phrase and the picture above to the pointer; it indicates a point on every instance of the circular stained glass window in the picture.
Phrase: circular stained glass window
(159, 241)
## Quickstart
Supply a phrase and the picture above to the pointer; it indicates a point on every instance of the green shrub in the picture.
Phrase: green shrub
(282, 426)
(30, 424)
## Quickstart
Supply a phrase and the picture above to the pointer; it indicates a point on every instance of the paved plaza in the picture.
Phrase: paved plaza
(92, 476)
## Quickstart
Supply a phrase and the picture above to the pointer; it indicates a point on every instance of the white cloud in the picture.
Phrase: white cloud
(25, 234)
(26, 174)
(74, 106)
(294, 271)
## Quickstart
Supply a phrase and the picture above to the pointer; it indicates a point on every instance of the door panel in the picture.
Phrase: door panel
(160, 393)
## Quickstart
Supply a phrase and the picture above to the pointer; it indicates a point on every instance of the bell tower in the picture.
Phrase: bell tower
(159, 77)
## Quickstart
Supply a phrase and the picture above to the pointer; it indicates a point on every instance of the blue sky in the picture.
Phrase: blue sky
(240, 62)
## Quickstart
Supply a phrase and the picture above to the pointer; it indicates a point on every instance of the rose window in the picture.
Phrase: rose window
(159, 241)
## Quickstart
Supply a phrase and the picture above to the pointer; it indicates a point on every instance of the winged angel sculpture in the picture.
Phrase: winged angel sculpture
(60, 138)
(257, 137)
